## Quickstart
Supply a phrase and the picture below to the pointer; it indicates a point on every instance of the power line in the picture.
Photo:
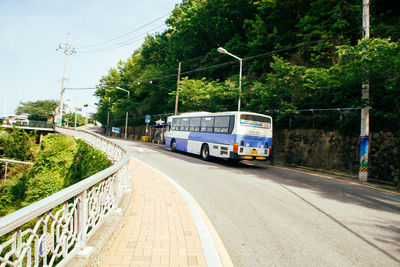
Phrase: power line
(235, 62)
(38, 66)
(129, 41)
(85, 88)
(125, 34)
(226, 63)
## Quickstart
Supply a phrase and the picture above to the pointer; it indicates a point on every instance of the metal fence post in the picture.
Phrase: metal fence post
(82, 216)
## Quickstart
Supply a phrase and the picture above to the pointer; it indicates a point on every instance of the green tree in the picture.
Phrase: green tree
(305, 33)
(325, 25)
(376, 60)
(198, 95)
(37, 110)
(19, 144)
(70, 118)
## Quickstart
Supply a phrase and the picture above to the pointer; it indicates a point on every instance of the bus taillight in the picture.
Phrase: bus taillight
(235, 147)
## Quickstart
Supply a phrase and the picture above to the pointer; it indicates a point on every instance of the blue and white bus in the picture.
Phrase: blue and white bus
(231, 135)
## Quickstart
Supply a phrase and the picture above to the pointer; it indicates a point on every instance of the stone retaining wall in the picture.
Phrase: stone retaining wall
(332, 151)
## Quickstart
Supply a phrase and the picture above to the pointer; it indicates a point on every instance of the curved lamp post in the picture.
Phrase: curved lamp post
(223, 51)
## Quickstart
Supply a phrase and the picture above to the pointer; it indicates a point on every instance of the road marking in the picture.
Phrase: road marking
(209, 248)
(135, 148)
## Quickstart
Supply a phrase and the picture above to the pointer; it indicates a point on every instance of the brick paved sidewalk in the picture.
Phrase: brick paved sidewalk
(159, 229)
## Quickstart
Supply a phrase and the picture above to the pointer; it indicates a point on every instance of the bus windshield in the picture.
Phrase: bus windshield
(250, 120)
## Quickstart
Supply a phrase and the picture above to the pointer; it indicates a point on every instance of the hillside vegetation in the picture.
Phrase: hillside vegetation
(59, 162)
(296, 55)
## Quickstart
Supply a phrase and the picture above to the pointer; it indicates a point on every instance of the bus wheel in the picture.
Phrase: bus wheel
(173, 145)
(205, 152)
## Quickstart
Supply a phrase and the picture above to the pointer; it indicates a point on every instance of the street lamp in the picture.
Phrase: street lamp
(126, 120)
(223, 51)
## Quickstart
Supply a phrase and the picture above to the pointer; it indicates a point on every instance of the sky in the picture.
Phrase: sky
(102, 32)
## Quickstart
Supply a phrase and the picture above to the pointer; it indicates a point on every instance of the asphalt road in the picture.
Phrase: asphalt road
(273, 216)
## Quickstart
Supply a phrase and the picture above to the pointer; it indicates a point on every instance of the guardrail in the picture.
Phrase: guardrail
(31, 123)
(53, 230)
(8, 161)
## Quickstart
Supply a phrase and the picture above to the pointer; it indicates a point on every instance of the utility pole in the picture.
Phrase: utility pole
(108, 116)
(364, 136)
(67, 51)
(177, 88)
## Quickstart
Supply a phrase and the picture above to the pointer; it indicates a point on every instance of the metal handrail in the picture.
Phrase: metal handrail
(16, 161)
(7, 161)
(84, 206)
(24, 215)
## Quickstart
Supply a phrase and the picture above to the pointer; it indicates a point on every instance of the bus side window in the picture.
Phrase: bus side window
(207, 124)
(185, 124)
(221, 124)
(195, 124)
(176, 123)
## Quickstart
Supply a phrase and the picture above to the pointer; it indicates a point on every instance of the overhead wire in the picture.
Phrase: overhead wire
(235, 61)
(220, 65)
(123, 35)
(129, 41)
(41, 65)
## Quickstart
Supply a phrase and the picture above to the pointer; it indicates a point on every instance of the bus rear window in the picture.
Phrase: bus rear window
(250, 120)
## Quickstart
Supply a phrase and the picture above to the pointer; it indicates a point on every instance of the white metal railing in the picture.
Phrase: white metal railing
(53, 230)
(8, 161)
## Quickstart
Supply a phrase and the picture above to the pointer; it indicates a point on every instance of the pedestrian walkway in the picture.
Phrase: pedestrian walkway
(160, 229)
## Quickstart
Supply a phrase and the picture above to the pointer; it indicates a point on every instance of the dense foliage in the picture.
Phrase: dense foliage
(38, 110)
(18, 144)
(296, 55)
(60, 162)
(69, 119)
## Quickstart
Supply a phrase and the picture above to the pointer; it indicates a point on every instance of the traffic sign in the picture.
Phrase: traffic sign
(147, 118)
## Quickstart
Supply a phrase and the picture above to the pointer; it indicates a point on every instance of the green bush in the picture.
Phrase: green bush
(18, 144)
(87, 161)
(42, 185)
(7, 196)
(47, 175)
(60, 162)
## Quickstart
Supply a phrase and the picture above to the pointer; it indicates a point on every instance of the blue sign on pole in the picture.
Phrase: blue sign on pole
(147, 118)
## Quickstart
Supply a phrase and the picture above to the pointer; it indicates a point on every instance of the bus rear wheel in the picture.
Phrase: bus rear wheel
(173, 145)
(205, 152)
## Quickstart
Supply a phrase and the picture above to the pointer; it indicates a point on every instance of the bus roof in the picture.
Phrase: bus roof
(204, 113)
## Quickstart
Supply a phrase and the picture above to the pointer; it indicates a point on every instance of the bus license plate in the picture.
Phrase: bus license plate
(254, 152)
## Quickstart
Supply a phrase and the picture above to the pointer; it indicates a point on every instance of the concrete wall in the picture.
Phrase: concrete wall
(332, 151)
(134, 133)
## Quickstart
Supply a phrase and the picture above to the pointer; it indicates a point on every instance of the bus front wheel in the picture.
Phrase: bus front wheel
(205, 152)
(173, 145)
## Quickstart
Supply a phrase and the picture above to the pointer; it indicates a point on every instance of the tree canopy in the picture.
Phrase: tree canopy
(37, 110)
(296, 55)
